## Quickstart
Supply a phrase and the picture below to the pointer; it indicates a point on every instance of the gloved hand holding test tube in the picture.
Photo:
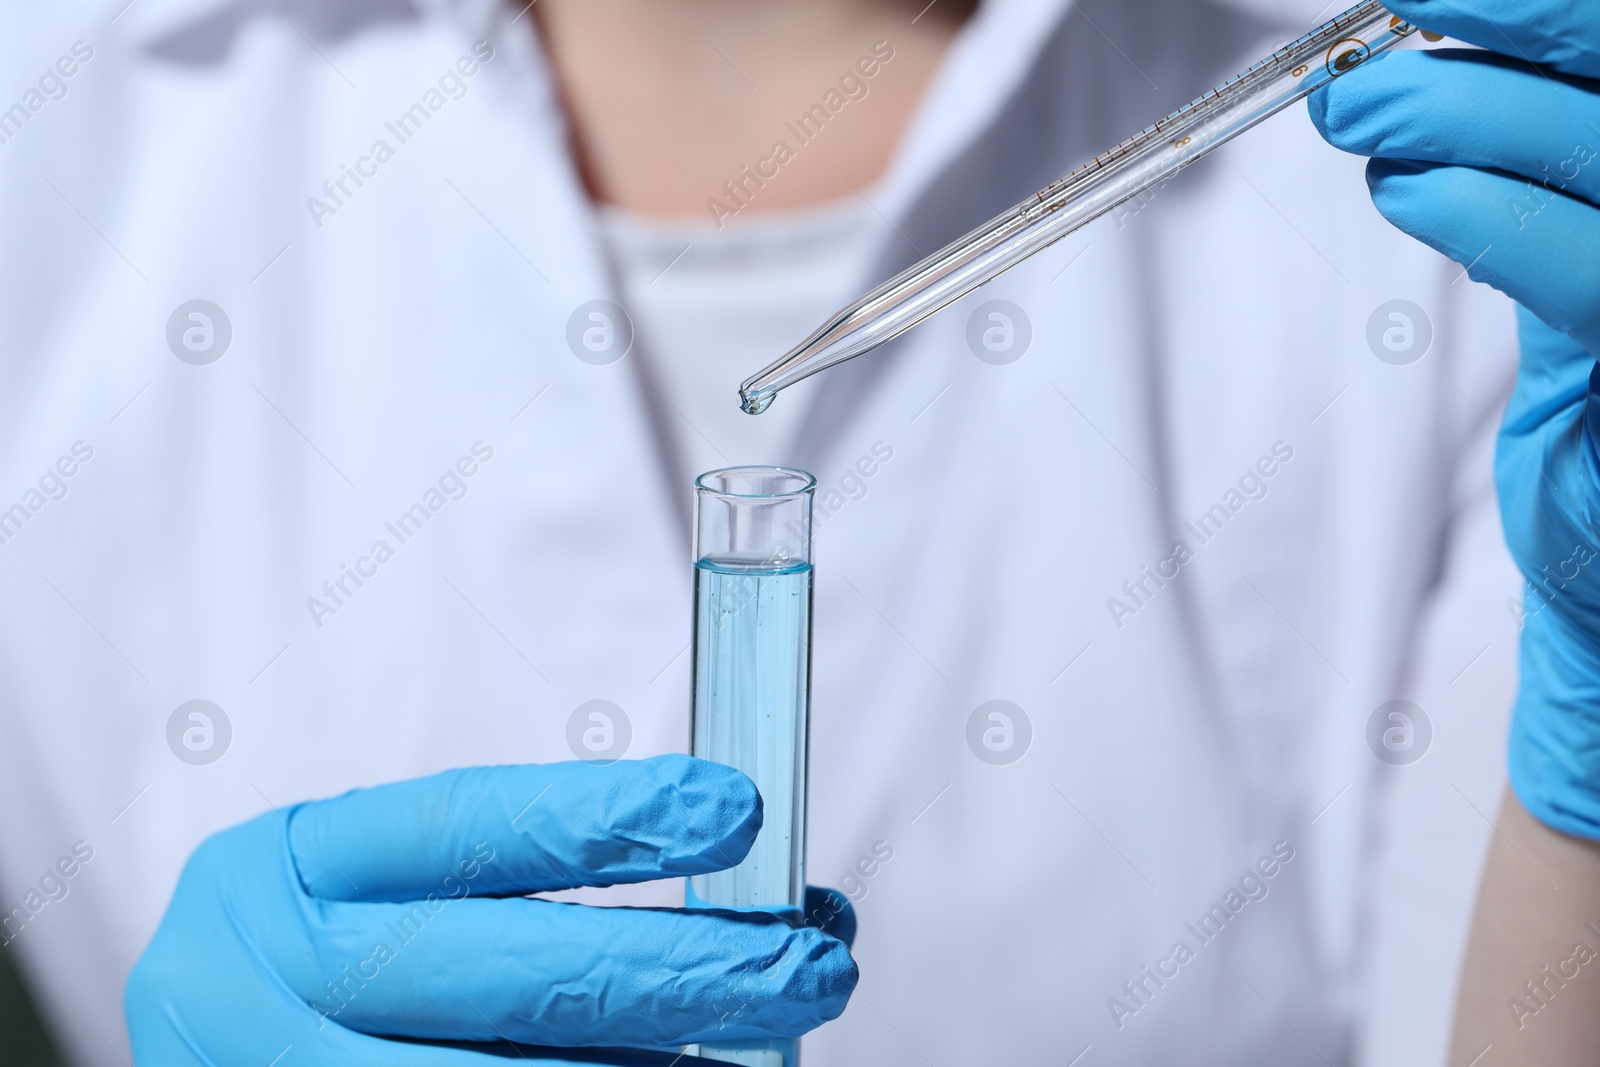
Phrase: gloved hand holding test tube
(390, 926)
(334, 882)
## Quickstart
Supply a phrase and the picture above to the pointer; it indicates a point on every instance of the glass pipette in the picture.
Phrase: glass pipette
(1145, 160)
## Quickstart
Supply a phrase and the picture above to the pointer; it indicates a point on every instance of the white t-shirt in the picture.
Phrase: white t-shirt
(713, 306)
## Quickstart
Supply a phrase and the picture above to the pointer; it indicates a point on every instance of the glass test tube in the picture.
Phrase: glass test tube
(752, 674)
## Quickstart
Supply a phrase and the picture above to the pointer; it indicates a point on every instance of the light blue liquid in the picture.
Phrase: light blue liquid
(751, 698)
(752, 666)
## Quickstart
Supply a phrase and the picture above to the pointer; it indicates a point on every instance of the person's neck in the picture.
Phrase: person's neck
(675, 103)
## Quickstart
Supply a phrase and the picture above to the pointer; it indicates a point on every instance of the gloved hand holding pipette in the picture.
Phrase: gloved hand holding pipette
(1496, 163)
(357, 929)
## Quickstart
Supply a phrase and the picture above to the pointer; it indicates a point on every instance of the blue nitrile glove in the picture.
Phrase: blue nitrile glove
(1496, 163)
(385, 928)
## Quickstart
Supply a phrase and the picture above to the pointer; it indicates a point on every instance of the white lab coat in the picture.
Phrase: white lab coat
(1172, 349)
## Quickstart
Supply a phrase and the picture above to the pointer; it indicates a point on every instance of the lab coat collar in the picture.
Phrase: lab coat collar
(983, 69)
(980, 76)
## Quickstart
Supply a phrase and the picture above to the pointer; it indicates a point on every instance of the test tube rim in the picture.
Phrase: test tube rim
(805, 479)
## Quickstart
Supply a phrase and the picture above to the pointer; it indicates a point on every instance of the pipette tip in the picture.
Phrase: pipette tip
(754, 405)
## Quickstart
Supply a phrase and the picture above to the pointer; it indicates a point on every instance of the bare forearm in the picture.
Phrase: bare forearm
(1530, 985)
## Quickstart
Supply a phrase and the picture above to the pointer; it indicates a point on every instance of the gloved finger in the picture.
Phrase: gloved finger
(168, 1027)
(550, 973)
(1561, 34)
(831, 912)
(526, 829)
(1467, 214)
(1473, 109)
